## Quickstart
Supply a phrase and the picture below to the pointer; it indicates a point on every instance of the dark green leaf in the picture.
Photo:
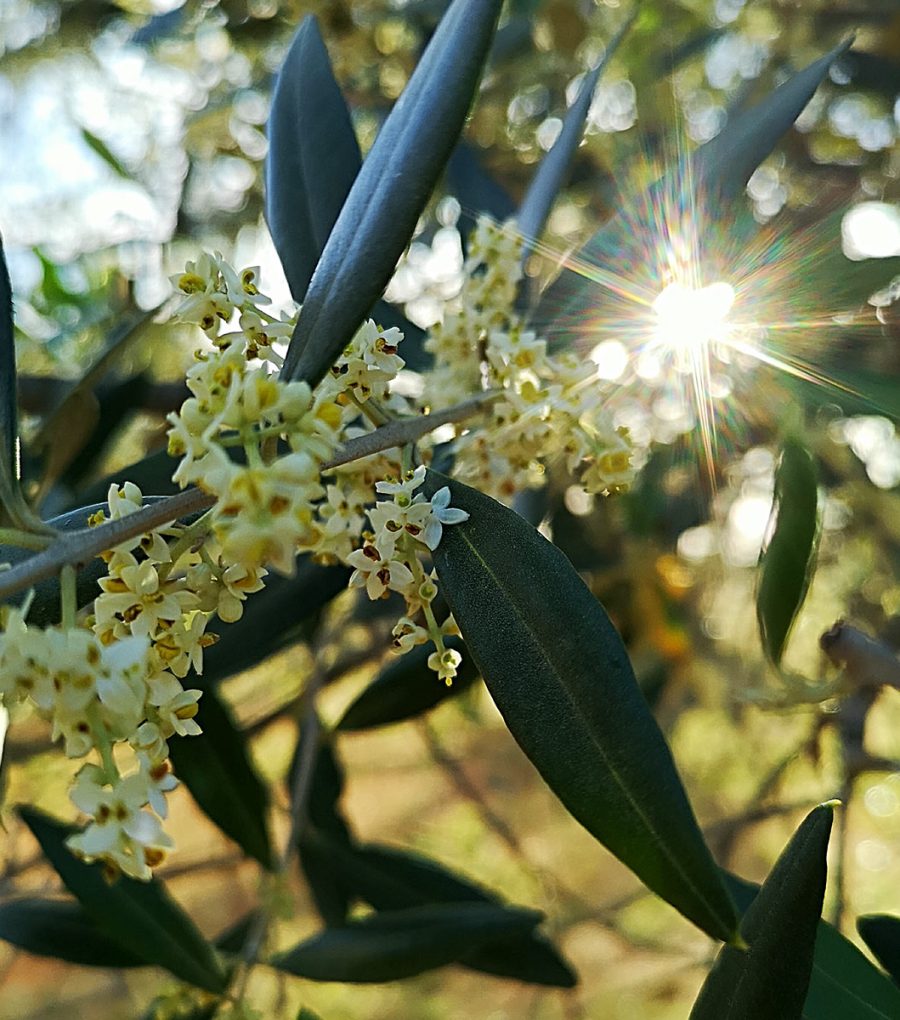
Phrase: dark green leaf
(216, 768)
(140, 917)
(391, 190)
(232, 939)
(325, 827)
(152, 474)
(10, 496)
(61, 929)
(406, 688)
(559, 673)
(881, 933)
(307, 1014)
(844, 984)
(551, 174)
(770, 978)
(390, 879)
(401, 944)
(787, 564)
(313, 156)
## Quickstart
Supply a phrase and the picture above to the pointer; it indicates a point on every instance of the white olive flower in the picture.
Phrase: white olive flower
(441, 513)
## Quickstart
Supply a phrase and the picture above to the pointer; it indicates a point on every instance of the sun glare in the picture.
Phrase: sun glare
(688, 320)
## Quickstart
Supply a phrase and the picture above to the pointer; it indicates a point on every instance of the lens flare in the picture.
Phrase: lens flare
(714, 312)
(688, 320)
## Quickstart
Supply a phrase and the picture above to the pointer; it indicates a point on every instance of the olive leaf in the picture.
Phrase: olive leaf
(405, 689)
(403, 943)
(559, 673)
(216, 768)
(61, 929)
(140, 917)
(787, 564)
(390, 191)
(881, 933)
(770, 976)
(844, 984)
(550, 175)
(313, 156)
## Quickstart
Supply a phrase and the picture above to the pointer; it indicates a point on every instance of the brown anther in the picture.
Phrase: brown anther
(278, 504)
(153, 857)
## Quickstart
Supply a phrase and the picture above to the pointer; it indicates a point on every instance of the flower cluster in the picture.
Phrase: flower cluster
(548, 408)
(264, 512)
(95, 695)
(113, 678)
(389, 560)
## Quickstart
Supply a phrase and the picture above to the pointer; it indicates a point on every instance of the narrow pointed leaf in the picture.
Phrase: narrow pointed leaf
(216, 768)
(390, 879)
(405, 689)
(770, 978)
(390, 192)
(140, 917)
(560, 675)
(9, 413)
(403, 943)
(551, 174)
(726, 163)
(313, 156)
(787, 564)
(844, 985)
(325, 829)
(63, 930)
(881, 933)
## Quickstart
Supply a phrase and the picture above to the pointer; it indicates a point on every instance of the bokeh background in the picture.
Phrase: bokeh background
(132, 135)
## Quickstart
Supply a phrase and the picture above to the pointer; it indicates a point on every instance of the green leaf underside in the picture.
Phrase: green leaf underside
(787, 564)
(550, 175)
(770, 979)
(403, 943)
(405, 689)
(390, 879)
(313, 156)
(140, 916)
(216, 768)
(881, 933)
(63, 930)
(559, 673)
(844, 983)
(392, 188)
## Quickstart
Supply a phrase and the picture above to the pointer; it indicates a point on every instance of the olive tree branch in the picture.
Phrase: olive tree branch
(78, 548)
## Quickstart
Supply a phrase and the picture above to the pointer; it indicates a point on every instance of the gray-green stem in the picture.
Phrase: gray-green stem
(78, 548)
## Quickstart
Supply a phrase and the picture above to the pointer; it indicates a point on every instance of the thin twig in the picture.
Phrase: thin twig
(80, 547)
